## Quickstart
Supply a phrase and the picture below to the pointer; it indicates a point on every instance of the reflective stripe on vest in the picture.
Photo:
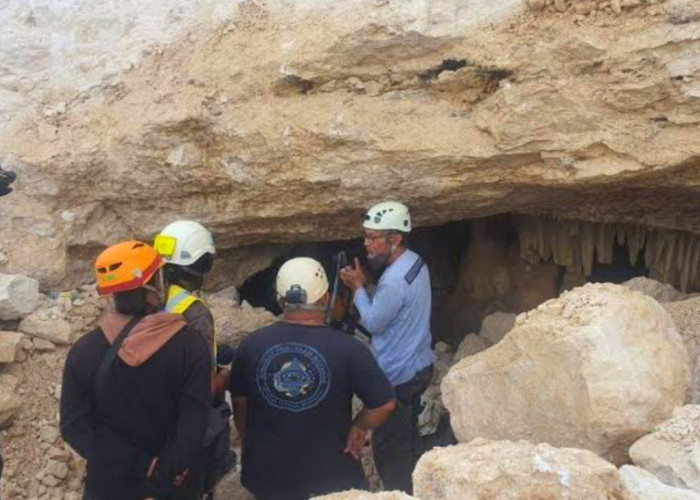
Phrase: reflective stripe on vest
(179, 300)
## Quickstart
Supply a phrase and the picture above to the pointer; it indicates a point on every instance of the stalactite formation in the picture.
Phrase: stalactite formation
(671, 256)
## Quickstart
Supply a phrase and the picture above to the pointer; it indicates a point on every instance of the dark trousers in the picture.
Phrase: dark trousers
(397, 445)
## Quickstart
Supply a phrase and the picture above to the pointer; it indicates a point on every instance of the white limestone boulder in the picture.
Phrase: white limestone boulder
(495, 326)
(686, 316)
(19, 296)
(672, 451)
(643, 485)
(597, 368)
(486, 469)
(661, 292)
(470, 345)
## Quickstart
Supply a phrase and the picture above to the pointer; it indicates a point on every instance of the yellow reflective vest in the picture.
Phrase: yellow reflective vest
(179, 300)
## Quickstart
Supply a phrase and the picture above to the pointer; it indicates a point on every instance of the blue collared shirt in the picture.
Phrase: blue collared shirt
(398, 317)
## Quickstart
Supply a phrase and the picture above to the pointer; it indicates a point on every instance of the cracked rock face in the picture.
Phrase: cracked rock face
(280, 122)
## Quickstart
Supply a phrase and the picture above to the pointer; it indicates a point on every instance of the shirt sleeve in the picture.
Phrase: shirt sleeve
(200, 319)
(183, 446)
(377, 312)
(237, 380)
(367, 380)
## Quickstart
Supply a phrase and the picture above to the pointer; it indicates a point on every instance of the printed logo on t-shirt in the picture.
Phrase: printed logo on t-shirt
(293, 377)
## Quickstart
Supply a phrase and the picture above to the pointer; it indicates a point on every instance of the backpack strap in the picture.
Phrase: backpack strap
(412, 273)
(111, 354)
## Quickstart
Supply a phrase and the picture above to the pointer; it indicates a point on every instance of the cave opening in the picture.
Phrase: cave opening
(511, 263)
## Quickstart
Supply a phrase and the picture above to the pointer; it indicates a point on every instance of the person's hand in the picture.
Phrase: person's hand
(354, 276)
(357, 438)
(180, 478)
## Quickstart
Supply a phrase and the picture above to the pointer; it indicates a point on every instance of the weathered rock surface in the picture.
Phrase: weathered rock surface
(10, 346)
(596, 369)
(234, 322)
(19, 295)
(496, 325)
(309, 125)
(365, 495)
(661, 292)
(10, 403)
(672, 451)
(472, 344)
(686, 316)
(486, 469)
(644, 485)
(39, 325)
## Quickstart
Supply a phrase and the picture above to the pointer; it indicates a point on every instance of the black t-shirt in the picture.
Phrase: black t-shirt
(299, 381)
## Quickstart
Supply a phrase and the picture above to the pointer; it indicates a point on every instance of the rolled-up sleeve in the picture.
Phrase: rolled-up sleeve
(377, 312)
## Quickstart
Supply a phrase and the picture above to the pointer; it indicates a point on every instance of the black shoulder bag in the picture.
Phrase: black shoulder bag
(111, 354)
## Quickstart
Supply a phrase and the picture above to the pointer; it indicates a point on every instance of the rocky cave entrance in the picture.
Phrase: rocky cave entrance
(513, 263)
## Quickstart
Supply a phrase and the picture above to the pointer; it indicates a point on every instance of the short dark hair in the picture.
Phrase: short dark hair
(131, 302)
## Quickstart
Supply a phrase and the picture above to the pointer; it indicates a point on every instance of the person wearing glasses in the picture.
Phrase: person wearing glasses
(397, 315)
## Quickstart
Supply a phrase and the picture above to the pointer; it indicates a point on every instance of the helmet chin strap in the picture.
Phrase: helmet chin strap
(160, 290)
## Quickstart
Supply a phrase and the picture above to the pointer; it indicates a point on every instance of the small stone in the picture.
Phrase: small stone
(57, 469)
(10, 346)
(55, 330)
(43, 345)
(48, 434)
(50, 480)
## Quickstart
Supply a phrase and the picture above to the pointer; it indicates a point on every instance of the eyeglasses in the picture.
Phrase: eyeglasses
(372, 237)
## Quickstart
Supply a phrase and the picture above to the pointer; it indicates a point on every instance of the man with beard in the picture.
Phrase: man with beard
(397, 315)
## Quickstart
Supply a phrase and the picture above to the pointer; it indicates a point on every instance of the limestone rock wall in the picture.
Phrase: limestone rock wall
(278, 122)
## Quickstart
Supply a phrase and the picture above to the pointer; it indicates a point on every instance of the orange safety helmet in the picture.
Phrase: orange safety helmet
(126, 266)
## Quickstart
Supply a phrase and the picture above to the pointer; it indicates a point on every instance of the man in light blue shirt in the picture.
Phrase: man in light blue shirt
(397, 315)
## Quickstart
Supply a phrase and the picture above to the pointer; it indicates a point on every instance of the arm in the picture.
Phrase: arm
(370, 418)
(373, 388)
(200, 319)
(238, 390)
(377, 312)
(240, 414)
(183, 446)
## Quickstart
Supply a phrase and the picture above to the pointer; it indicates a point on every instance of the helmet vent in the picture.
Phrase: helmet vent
(137, 245)
(114, 267)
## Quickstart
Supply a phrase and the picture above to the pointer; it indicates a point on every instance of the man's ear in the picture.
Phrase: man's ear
(325, 300)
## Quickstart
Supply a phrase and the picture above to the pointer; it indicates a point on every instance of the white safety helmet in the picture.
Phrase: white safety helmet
(388, 215)
(304, 277)
(183, 242)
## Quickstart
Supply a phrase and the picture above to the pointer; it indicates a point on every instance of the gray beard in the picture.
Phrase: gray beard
(378, 264)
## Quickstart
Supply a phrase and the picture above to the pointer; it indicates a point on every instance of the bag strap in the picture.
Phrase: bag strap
(111, 354)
